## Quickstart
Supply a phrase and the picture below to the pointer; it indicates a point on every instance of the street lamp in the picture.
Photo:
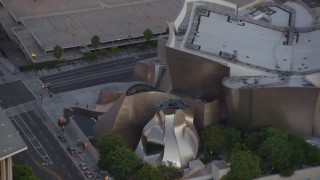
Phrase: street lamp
(129, 36)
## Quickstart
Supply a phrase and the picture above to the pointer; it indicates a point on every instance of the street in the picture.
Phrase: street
(119, 70)
(44, 153)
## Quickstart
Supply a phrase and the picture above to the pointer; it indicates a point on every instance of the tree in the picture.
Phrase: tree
(147, 172)
(299, 148)
(213, 140)
(148, 34)
(253, 140)
(122, 163)
(312, 155)
(277, 152)
(169, 171)
(23, 172)
(106, 145)
(95, 41)
(57, 52)
(274, 132)
(244, 165)
(232, 136)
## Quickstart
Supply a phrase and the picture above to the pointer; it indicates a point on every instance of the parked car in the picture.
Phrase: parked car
(88, 174)
(71, 150)
(62, 138)
(83, 166)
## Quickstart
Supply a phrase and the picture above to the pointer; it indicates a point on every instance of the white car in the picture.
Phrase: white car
(83, 166)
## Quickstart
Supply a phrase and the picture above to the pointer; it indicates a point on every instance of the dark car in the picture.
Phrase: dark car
(62, 138)
(71, 150)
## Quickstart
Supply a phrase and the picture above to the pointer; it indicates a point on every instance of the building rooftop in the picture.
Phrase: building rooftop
(41, 25)
(275, 44)
(11, 142)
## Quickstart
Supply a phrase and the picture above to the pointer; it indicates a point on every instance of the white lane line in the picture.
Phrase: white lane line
(35, 139)
(93, 76)
(89, 69)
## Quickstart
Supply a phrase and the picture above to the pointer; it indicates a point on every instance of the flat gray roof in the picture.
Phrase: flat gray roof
(108, 23)
(73, 23)
(11, 142)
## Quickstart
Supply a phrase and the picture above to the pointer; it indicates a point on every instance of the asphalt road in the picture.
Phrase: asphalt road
(14, 93)
(44, 153)
(119, 70)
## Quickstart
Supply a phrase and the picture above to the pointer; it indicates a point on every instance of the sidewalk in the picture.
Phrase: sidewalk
(53, 106)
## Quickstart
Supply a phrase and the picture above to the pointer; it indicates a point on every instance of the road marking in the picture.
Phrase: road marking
(93, 76)
(89, 69)
(32, 139)
(45, 168)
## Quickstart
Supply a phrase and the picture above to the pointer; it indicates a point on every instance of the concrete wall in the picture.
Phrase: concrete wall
(74, 127)
(303, 174)
(288, 108)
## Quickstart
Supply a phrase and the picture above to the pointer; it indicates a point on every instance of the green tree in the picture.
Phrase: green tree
(95, 41)
(277, 152)
(107, 144)
(312, 155)
(253, 140)
(299, 148)
(169, 171)
(213, 140)
(274, 132)
(232, 136)
(57, 52)
(244, 166)
(148, 34)
(122, 163)
(147, 172)
(23, 172)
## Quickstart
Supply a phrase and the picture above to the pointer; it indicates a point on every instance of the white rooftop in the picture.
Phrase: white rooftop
(261, 45)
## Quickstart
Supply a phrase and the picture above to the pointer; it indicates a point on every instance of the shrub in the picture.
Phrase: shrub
(89, 55)
(154, 44)
(142, 46)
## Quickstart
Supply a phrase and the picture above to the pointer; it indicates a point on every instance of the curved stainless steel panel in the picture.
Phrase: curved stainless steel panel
(129, 114)
(195, 76)
(180, 140)
(289, 108)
